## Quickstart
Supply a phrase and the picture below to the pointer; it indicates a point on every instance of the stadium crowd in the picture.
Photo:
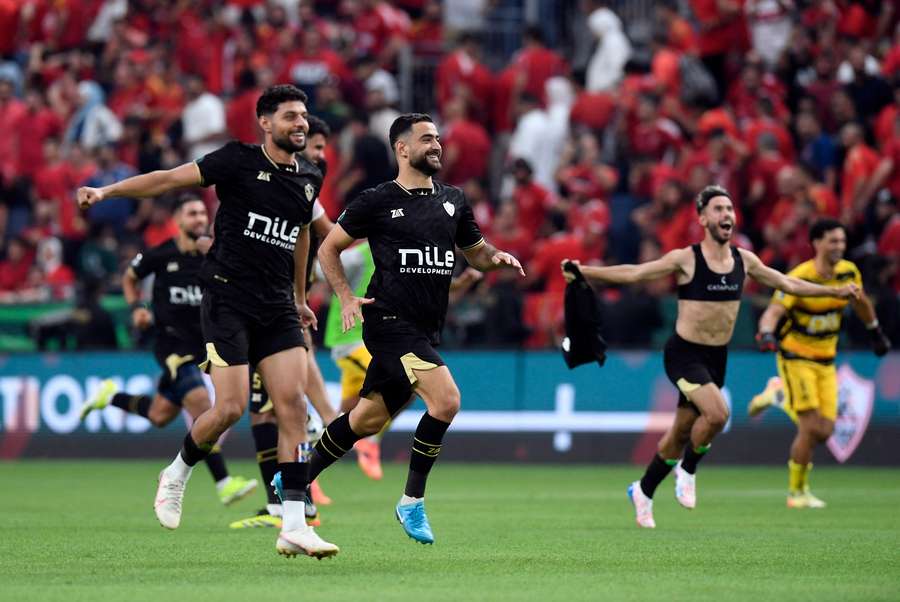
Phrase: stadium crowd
(592, 149)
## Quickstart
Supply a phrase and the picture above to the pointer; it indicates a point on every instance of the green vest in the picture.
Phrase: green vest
(359, 282)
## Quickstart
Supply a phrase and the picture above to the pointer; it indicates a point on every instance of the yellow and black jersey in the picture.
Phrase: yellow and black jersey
(813, 323)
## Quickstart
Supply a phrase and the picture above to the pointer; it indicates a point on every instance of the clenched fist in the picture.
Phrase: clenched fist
(87, 196)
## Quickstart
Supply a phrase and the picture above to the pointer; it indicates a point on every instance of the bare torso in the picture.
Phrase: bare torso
(706, 322)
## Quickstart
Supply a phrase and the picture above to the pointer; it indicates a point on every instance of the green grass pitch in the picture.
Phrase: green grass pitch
(85, 530)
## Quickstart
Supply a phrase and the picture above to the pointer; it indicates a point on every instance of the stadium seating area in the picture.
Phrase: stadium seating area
(590, 148)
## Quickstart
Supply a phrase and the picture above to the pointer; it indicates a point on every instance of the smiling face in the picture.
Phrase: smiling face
(719, 219)
(287, 126)
(422, 148)
(192, 218)
(831, 246)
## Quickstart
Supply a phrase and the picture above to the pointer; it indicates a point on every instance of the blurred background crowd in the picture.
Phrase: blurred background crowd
(577, 128)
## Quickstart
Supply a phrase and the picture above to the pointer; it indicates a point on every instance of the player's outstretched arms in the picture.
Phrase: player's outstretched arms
(766, 276)
(150, 184)
(330, 259)
(670, 263)
(487, 257)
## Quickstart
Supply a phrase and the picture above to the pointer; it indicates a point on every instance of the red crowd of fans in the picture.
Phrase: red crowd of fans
(794, 106)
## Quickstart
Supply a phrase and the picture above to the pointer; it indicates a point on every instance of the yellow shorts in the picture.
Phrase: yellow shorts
(809, 385)
(353, 371)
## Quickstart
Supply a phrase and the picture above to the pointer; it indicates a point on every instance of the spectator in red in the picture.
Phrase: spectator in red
(467, 147)
(427, 32)
(671, 218)
(380, 29)
(462, 73)
(859, 166)
(889, 242)
(680, 33)
(537, 63)
(723, 159)
(887, 173)
(531, 199)
(42, 123)
(312, 63)
(890, 68)
(480, 202)
(15, 266)
(582, 173)
(160, 227)
(786, 231)
(506, 230)
(823, 88)
(12, 116)
(722, 30)
(55, 181)
(768, 119)
(592, 109)
(753, 83)
(240, 112)
(652, 139)
(884, 123)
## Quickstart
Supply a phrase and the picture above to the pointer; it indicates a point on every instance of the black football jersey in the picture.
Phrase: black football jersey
(176, 289)
(413, 235)
(263, 208)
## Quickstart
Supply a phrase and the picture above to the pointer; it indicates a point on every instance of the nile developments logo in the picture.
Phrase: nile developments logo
(427, 261)
(856, 399)
(273, 231)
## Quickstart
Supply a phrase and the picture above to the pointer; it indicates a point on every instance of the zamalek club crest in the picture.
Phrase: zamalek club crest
(856, 398)
(310, 191)
(450, 208)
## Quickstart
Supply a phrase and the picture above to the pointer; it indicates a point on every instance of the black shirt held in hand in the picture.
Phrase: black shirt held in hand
(413, 235)
(264, 206)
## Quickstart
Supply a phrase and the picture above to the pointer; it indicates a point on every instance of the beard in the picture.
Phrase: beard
(422, 164)
(714, 232)
(196, 233)
(285, 143)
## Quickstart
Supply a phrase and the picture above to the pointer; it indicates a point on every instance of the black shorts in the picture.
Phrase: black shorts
(397, 348)
(691, 365)
(180, 374)
(234, 337)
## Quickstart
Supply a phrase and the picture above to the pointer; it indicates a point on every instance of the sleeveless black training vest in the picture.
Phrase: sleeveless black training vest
(707, 285)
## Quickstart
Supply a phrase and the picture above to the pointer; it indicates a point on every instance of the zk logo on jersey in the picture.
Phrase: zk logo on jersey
(856, 398)
(273, 231)
(427, 261)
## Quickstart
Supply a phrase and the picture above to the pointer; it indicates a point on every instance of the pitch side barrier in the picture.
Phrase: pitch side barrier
(517, 406)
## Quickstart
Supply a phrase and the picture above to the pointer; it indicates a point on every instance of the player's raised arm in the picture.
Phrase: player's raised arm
(670, 263)
(140, 314)
(486, 257)
(330, 259)
(765, 275)
(150, 184)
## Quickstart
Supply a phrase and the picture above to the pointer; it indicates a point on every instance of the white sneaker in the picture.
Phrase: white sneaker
(167, 505)
(685, 487)
(304, 541)
(643, 506)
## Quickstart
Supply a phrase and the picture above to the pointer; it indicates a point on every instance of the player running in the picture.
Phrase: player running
(175, 266)
(254, 298)
(804, 332)
(413, 225)
(710, 278)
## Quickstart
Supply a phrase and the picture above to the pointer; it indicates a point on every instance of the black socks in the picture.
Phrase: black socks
(692, 456)
(425, 449)
(337, 439)
(192, 453)
(657, 470)
(133, 404)
(265, 436)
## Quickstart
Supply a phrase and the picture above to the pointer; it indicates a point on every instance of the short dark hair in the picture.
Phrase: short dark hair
(823, 226)
(185, 198)
(317, 126)
(709, 193)
(404, 124)
(275, 95)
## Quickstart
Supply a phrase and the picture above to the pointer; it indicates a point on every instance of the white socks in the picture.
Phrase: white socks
(178, 469)
(294, 515)
(276, 509)
(405, 500)
(222, 483)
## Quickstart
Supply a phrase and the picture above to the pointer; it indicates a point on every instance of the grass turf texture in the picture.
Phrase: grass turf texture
(85, 531)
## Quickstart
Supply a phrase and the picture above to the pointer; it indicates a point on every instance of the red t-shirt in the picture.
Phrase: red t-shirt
(550, 253)
(240, 117)
(532, 200)
(156, 234)
(12, 118)
(41, 125)
(889, 245)
(765, 125)
(682, 230)
(884, 125)
(9, 25)
(473, 150)
(539, 65)
(501, 113)
(765, 169)
(717, 36)
(593, 109)
(457, 71)
(861, 161)
(518, 242)
(311, 69)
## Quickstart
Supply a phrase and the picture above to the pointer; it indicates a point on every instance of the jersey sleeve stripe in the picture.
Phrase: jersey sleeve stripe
(477, 244)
